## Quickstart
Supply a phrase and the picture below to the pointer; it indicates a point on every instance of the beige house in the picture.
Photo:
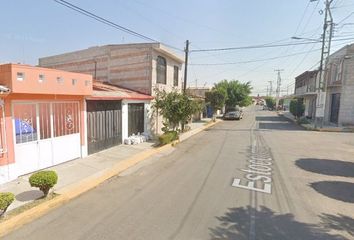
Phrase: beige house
(141, 67)
(339, 77)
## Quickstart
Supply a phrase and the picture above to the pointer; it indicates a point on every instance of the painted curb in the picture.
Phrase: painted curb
(86, 184)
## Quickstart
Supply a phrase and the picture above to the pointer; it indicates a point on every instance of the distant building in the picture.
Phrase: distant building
(140, 67)
(306, 85)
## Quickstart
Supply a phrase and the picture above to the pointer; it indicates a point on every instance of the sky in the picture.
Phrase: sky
(34, 29)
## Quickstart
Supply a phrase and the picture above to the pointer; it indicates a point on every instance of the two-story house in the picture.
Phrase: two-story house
(339, 85)
(306, 85)
(140, 67)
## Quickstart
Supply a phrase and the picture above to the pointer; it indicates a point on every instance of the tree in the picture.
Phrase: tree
(270, 101)
(176, 108)
(236, 93)
(215, 99)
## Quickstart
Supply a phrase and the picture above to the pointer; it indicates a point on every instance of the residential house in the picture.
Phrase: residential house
(339, 85)
(306, 85)
(42, 118)
(140, 67)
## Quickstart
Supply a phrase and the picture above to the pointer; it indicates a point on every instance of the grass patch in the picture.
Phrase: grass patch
(27, 206)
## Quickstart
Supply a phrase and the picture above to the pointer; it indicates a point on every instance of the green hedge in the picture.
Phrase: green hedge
(44, 180)
(168, 137)
(6, 198)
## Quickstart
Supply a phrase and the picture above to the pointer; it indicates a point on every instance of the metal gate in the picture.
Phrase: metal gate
(104, 125)
(335, 103)
(135, 118)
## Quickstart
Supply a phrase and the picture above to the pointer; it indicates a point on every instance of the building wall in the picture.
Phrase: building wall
(346, 112)
(132, 66)
(69, 84)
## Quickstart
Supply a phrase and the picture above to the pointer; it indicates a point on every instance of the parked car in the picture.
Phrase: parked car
(233, 115)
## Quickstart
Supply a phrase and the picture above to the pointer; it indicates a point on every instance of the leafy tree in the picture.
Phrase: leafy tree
(215, 99)
(176, 108)
(236, 93)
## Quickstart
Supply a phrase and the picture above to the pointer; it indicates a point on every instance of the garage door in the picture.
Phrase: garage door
(46, 134)
(104, 125)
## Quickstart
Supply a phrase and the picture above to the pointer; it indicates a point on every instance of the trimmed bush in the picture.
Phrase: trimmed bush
(6, 198)
(44, 180)
(168, 137)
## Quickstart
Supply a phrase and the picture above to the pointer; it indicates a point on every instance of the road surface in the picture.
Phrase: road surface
(259, 178)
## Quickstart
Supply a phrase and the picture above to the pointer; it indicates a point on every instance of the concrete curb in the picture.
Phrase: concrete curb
(86, 184)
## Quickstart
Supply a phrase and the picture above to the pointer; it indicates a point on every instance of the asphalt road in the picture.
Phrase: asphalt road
(259, 178)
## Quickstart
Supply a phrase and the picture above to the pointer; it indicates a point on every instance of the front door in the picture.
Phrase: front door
(335, 103)
(135, 118)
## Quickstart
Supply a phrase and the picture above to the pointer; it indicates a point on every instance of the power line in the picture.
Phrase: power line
(256, 60)
(252, 47)
(108, 22)
(264, 46)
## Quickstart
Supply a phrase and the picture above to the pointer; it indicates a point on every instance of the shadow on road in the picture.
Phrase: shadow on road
(339, 223)
(277, 123)
(235, 224)
(342, 191)
(272, 119)
(326, 166)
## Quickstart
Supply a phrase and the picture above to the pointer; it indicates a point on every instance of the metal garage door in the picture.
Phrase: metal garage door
(104, 125)
(135, 118)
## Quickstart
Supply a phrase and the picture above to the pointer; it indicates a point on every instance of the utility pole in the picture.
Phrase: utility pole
(186, 52)
(270, 88)
(267, 91)
(278, 88)
(325, 51)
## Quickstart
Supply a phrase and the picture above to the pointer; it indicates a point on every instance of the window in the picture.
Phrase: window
(161, 70)
(175, 76)
(73, 81)
(25, 123)
(60, 80)
(66, 119)
(41, 78)
(20, 76)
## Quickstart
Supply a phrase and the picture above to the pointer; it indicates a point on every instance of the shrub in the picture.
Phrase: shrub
(168, 137)
(303, 120)
(297, 108)
(6, 199)
(44, 180)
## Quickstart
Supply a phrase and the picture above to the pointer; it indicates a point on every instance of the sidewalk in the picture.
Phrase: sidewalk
(75, 171)
(311, 125)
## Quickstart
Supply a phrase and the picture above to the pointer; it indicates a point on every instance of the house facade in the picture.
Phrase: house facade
(339, 85)
(306, 85)
(114, 114)
(42, 118)
(139, 67)
(338, 88)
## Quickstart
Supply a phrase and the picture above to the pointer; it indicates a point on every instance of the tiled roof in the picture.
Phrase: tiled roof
(106, 91)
